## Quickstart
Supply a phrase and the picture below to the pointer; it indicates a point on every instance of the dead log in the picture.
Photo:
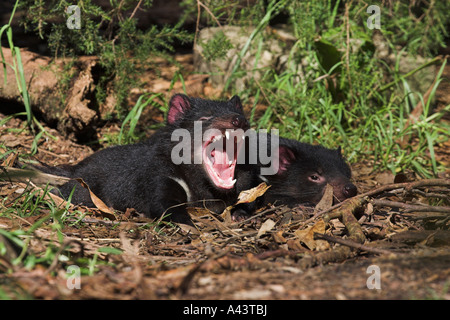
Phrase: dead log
(42, 84)
(77, 113)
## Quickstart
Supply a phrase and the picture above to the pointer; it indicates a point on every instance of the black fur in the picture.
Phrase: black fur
(304, 170)
(142, 176)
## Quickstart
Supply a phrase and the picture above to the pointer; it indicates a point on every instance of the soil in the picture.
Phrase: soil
(225, 260)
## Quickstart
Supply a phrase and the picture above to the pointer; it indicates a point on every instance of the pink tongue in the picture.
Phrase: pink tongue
(221, 166)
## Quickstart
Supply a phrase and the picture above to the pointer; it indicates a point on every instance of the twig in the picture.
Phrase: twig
(432, 194)
(350, 243)
(197, 29)
(410, 207)
(210, 13)
(135, 9)
(235, 224)
(408, 186)
(348, 219)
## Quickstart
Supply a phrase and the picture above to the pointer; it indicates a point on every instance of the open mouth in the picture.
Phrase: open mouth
(220, 158)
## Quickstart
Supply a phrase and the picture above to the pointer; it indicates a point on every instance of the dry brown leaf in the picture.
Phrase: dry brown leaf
(226, 215)
(188, 229)
(96, 200)
(10, 160)
(326, 201)
(266, 226)
(307, 236)
(278, 237)
(245, 196)
(250, 195)
(386, 177)
(198, 212)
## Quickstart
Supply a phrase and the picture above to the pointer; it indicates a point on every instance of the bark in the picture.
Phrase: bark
(72, 109)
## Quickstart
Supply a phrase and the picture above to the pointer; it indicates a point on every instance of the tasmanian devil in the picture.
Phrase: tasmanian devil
(303, 170)
(188, 160)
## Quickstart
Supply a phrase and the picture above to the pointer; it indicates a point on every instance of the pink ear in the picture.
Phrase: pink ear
(178, 106)
(285, 157)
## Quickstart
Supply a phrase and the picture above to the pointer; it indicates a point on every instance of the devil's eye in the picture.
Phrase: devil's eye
(314, 177)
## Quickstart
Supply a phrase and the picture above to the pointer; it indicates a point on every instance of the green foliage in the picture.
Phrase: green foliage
(111, 33)
(17, 66)
(419, 26)
(334, 91)
(217, 48)
(127, 131)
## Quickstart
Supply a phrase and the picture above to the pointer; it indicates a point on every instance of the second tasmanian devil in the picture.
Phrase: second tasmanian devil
(303, 171)
(161, 175)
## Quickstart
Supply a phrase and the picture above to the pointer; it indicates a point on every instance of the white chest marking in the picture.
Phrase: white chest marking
(263, 179)
(185, 187)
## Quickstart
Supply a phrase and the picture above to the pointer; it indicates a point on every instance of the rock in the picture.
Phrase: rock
(420, 81)
(256, 60)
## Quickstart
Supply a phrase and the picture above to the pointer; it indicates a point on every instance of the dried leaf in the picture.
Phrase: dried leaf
(198, 212)
(10, 160)
(250, 195)
(226, 215)
(99, 204)
(326, 201)
(278, 237)
(307, 236)
(266, 226)
(245, 196)
(386, 177)
(188, 229)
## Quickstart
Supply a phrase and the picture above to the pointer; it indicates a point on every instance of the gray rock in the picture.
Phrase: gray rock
(263, 53)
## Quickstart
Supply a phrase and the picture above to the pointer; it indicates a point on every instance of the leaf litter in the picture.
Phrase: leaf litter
(278, 253)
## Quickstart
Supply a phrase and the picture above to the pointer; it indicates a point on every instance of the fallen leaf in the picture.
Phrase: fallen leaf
(266, 226)
(245, 196)
(226, 215)
(278, 237)
(307, 236)
(10, 160)
(250, 195)
(326, 201)
(188, 229)
(99, 204)
(198, 212)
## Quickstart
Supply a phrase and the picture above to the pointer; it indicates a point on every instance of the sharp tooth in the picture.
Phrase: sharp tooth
(233, 181)
(230, 163)
(214, 139)
(227, 134)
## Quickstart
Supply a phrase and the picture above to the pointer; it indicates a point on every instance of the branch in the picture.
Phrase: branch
(411, 207)
(350, 243)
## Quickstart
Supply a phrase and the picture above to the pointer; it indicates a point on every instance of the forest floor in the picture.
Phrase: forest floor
(406, 252)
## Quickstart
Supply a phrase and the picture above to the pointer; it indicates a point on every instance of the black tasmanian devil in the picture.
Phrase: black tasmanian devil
(188, 160)
(303, 172)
